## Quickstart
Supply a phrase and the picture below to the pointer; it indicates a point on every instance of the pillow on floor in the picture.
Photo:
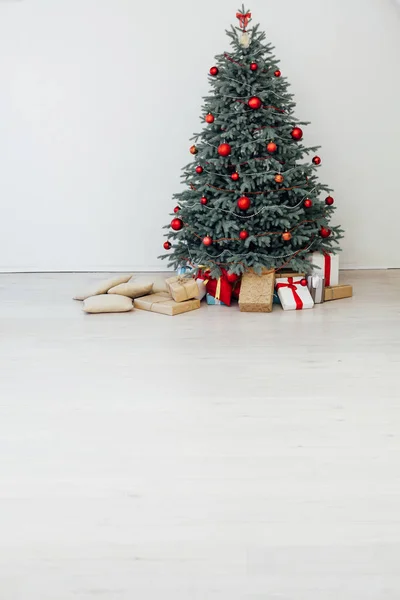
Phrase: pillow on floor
(159, 285)
(132, 289)
(102, 287)
(105, 303)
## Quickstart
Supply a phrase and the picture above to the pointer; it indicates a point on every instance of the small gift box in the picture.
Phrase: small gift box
(294, 293)
(182, 288)
(316, 286)
(257, 291)
(163, 304)
(220, 288)
(337, 292)
(328, 264)
(201, 286)
(213, 301)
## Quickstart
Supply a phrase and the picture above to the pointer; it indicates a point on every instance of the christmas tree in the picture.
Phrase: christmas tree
(252, 199)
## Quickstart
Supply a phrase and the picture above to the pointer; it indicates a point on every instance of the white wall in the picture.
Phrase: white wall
(97, 106)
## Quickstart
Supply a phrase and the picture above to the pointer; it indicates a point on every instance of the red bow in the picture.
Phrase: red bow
(292, 286)
(244, 19)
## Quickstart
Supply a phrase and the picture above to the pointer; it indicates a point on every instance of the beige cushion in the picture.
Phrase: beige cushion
(105, 303)
(159, 285)
(132, 289)
(102, 287)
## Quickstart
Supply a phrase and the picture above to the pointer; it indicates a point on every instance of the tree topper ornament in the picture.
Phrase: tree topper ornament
(244, 19)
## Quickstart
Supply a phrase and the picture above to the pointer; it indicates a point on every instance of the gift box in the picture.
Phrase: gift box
(316, 286)
(201, 286)
(337, 292)
(213, 301)
(276, 298)
(328, 264)
(292, 294)
(257, 291)
(286, 274)
(164, 304)
(182, 288)
(220, 288)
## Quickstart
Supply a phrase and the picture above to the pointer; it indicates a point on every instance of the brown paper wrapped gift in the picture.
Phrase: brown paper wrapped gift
(165, 305)
(289, 274)
(257, 292)
(337, 292)
(182, 288)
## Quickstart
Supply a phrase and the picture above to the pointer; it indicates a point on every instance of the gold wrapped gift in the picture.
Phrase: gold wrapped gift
(257, 292)
(182, 288)
(337, 292)
(163, 304)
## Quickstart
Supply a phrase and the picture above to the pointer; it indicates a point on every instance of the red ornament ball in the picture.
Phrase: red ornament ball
(287, 236)
(214, 71)
(316, 160)
(296, 133)
(232, 277)
(329, 200)
(277, 73)
(199, 169)
(176, 224)
(244, 203)
(324, 232)
(303, 282)
(193, 149)
(244, 234)
(254, 102)
(307, 203)
(167, 245)
(177, 209)
(272, 147)
(278, 178)
(207, 241)
(209, 118)
(253, 66)
(224, 149)
(235, 176)
(203, 200)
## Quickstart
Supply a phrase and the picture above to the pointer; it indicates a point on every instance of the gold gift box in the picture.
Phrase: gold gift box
(182, 288)
(165, 305)
(257, 292)
(337, 292)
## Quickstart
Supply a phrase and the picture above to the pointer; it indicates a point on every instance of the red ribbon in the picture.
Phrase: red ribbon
(244, 19)
(327, 268)
(292, 286)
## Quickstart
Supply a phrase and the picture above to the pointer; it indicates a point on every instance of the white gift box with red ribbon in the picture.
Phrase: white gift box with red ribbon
(294, 293)
(328, 264)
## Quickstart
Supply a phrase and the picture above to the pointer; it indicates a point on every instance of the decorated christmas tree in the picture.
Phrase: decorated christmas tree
(252, 199)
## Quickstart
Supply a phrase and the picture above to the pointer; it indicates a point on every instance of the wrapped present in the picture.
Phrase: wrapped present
(328, 264)
(213, 301)
(337, 292)
(284, 273)
(276, 298)
(220, 288)
(165, 305)
(293, 294)
(182, 288)
(200, 280)
(316, 286)
(257, 291)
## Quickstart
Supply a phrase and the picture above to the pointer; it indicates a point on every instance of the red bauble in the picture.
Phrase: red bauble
(278, 178)
(193, 149)
(224, 149)
(207, 241)
(203, 200)
(277, 73)
(324, 232)
(287, 236)
(272, 147)
(177, 209)
(303, 282)
(235, 176)
(253, 66)
(244, 203)
(214, 71)
(307, 203)
(296, 133)
(167, 245)
(176, 224)
(244, 234)
(199, 169)
(209, 118)
(316, 160)
(329, 200)
(254, 102)
(232, 277)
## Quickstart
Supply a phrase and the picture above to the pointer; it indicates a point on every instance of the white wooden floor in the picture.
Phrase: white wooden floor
(212, 455)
